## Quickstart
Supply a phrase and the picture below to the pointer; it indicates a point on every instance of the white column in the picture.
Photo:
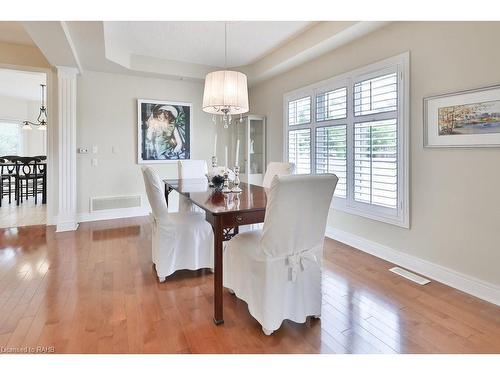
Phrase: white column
(66, 107)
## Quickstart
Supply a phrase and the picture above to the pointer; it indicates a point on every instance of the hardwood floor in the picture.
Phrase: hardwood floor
(27, 213)
(94, 291)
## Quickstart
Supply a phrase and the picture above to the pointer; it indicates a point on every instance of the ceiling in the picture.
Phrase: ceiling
(202, 42)
(20, 84)
(13, 32)
(189, 50)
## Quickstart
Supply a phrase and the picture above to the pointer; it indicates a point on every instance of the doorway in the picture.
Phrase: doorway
(23, 148)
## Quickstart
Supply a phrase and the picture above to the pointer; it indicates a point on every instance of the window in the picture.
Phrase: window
(331, 105)
(376, 95)
(358, 130)
(331, 154)
(299, 150)
(299, 111)
(376, 162)
(10, 138)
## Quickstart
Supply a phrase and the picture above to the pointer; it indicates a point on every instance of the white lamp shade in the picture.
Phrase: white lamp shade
(225, 89)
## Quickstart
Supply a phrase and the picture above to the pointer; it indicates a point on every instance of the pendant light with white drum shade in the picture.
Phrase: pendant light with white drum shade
(226, 91)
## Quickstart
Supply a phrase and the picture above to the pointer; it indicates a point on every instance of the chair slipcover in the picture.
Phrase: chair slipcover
(277, 270)
(277, 169)
(191, 169)
(179, 240)
(274, 169)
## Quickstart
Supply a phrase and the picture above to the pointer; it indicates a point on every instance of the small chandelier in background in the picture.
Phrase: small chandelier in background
(226, 92)
(41, 121)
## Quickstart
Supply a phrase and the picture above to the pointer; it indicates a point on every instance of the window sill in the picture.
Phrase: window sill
(341, 204)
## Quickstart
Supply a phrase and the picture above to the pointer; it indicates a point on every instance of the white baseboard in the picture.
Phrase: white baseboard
(66, 222)
(66, 226)
(113, 214)
(468, 284)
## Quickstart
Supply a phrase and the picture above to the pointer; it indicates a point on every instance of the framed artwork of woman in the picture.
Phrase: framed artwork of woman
(164, 131)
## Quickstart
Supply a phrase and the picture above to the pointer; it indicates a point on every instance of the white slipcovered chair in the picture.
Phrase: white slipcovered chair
(179, 240)
(277, 169)
(191, 169)
(277, 270)
(274, 169)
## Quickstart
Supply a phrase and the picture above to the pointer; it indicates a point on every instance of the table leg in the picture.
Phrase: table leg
(218, 303)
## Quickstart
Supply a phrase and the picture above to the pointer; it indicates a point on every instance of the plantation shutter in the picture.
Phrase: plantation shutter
(331, 105)
(299, 150)
(331, 154)
(376, 95)
(299, 111)
(375, 163)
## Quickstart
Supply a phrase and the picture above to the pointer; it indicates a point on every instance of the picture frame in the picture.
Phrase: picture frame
(468, 118)
(164, 131)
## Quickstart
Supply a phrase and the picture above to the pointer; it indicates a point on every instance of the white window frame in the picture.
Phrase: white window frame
(399, 64)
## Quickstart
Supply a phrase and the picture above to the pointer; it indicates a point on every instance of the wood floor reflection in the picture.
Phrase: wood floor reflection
(94, 291)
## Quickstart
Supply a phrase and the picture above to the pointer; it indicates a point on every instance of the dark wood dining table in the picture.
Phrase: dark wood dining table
(225, 212)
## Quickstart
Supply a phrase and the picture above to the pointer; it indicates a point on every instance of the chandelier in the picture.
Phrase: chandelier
(226, 92)
(41, 121)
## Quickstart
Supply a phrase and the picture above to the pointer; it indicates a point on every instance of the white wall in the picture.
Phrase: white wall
(13, 108)
(34, 142)
(107, 117)
(455, 204)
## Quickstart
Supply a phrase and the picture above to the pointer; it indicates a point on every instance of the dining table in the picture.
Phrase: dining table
(225, 212)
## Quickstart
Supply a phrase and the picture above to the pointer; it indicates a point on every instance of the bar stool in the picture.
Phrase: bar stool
(7, 178)
(30, 170)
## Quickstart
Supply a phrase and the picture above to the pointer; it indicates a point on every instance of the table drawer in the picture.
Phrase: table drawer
(242, 218)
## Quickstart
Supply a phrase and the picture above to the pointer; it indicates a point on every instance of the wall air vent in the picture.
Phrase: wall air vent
(113, 203)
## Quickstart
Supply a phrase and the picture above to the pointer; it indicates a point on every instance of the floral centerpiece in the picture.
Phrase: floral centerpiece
(217, 181)
(216, 177)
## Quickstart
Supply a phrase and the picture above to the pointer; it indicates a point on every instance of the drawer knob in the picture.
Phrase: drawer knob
(239, 219)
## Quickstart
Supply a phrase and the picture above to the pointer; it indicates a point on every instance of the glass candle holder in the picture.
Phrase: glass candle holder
(226, 189)
(236, 184)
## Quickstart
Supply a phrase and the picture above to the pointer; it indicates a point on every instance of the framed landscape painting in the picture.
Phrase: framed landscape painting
(464, 119)
(164, 131)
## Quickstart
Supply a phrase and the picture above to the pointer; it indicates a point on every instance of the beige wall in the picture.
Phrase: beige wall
(455, 204)
(107, 117)
(15, 54)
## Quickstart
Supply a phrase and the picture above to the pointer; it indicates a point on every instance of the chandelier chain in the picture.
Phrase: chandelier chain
(225, 44)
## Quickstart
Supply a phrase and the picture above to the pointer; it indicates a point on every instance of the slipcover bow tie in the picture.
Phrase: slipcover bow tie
(296, 262)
